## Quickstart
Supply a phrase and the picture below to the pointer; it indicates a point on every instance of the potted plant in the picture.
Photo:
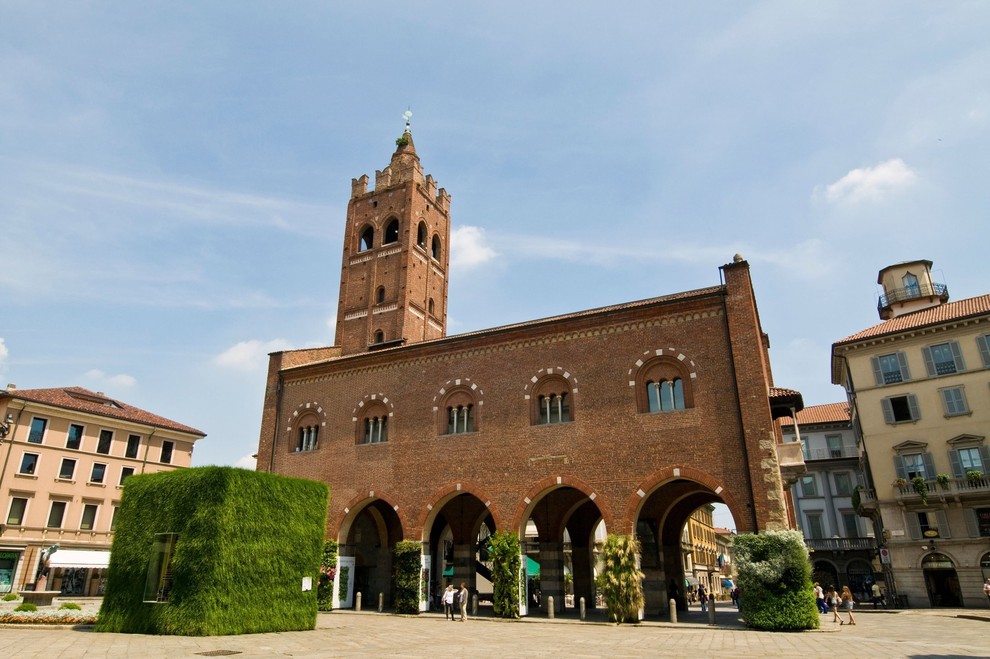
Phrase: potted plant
(943, 481)
(974, 476)
(900, 482)
(921, 487)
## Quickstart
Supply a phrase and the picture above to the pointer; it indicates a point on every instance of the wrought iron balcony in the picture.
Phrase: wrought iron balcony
(840, 544)
(896, 295)
(935, 489)
(830, 453)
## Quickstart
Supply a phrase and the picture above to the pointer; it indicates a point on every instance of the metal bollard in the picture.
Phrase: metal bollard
(711, 609)
(474, 604)
(673, 610)
(381, 602)
(550, 611)
(357, 601)
(581, 607)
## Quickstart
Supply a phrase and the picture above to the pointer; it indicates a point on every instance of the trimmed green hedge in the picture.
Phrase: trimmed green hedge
(328, 570)
(774, 578)
(246, 540)
(406, 573)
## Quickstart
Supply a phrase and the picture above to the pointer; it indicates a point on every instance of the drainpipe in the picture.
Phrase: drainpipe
(10, 439)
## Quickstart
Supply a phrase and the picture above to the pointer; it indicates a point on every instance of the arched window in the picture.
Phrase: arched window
(367, 239)
(379, 336)
(435, 249)
(421, 235)
(664, 382)
(376, 429)
(665, 395)
(307, 435)
(380, 295)
(552, 401)
(391, 232)
(430, 306)
(459, 407)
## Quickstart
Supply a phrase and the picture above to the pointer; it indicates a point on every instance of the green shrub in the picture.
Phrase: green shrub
(71, 605)
(26, 606)
(506, 573)
(10, 597)
(774, 577)
(621, 583)
(406, 575)
(328, 570)
(245, 544)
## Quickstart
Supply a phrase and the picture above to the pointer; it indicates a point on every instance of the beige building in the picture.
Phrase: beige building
(918, 389)
(701, 551)
(65, 453)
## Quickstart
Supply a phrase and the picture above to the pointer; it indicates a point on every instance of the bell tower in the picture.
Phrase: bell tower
(393, 275)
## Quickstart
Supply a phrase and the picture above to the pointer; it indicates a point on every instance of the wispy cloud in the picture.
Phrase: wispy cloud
(4, 354)
(469, 248)
(867, 184)
(250, 355)
(247, 462)
(100, 379)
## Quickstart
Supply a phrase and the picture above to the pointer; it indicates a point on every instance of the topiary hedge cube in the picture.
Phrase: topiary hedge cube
(215, 550)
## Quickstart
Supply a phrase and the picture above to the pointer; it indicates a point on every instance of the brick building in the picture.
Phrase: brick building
(632, 415)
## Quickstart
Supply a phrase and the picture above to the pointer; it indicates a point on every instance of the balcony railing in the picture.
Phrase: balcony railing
(830, 453)
(955, 487)
(864, 501)
(839, 544)
(912, 293)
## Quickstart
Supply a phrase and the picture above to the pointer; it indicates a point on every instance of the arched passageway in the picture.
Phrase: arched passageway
(457, 533)
(366, 541)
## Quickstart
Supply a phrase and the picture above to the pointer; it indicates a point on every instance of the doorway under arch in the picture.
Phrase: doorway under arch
(366, 542)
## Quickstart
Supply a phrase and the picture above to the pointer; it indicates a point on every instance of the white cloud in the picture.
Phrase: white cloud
(869, 183)
(250, 355)
(101, 379)
(4, 353)
(468, 248)
(247, 462)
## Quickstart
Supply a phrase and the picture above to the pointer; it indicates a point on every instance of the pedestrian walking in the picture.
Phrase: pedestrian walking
(448, 602)
(703, 596)
(986, 589)
(462, 599)
(848, 603)
(833, 601)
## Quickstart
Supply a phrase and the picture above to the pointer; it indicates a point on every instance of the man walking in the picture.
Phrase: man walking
(463, 601)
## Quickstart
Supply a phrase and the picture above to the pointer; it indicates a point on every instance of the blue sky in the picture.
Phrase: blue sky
(174, 176)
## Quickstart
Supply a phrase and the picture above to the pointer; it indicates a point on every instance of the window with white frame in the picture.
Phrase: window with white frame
(98, 473)
(891, 368)
(17, 511)
(912, 465)
(808, 486)
(843, 484)
(29, 464)
(943, 358)
(969, 455)
(133, 444)
(73, 439)
(834, 443)
(38, 426)
(56, 514)
(815, 530)
(88, 521)
(167, 448)
(954, 400)
(124, 473)
(67, 470)
(106, 439)
(850, 524)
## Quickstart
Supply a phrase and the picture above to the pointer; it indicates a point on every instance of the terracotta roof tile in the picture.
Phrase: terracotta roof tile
(943, 313)
(780, 392)
(828, 413)
(84, 400)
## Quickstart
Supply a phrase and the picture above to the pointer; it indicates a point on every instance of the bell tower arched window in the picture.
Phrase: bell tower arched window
(421, 235)
(379, 336)
(391, 232)
(380, 295)
(435, 248)
(367, 240)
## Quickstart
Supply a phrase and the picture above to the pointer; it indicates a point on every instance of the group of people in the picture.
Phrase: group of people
(832, 600)
(452, 599)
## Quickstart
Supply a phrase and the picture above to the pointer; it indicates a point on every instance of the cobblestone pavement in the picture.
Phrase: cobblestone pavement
(912, 633)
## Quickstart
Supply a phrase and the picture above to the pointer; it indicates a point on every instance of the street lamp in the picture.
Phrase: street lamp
(5, 427)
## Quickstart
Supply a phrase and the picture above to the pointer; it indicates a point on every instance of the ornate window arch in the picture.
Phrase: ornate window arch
(435, 249)
(391, 232)
(458, 407)
(551, 397)
(308, 419)
(663, 380)
(367, 239)
(421, 234)
(371, 419)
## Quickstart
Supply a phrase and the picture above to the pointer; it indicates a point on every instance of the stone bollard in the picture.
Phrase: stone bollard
(673, 610)
(381, 602)
(474, 604)
(550, 611)
(581, 605)
(711, 609)
(357, 601)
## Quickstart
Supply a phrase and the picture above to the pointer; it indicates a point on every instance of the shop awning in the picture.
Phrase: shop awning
(532, 567)
(690, 581)
(79, 558)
